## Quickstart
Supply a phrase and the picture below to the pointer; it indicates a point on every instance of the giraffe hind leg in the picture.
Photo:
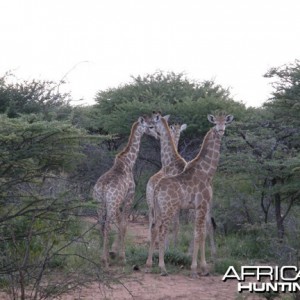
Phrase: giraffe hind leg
(106, 230)
(153, 236)
(163, 230)
(116, 242)
(104, 225)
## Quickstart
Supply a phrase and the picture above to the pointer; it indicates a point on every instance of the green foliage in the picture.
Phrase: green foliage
(42, 149)
(173, 257)
(38, 97)
(285, 103)
(138, 255)
(38, 204)
(30, 149)
(222, 264)
(170, 93)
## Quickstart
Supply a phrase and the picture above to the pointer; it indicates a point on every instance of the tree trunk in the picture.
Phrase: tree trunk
(279, 217)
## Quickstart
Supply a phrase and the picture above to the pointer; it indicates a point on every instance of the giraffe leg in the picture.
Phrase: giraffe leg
(150, 225)
(199, 241)
(116, 243)
(210, 225)
(124, 218)
(154, 233)
(105, 233)
(191, 246)
(149, 198)
(176, 228)
(104, 230)
(210, 232)
(123, 227)
(203, 264)
(163, 229)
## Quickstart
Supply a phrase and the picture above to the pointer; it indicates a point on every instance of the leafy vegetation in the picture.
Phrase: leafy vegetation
(51, 154)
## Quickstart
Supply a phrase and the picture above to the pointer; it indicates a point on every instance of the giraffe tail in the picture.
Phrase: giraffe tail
(102, 212)
(155, 210)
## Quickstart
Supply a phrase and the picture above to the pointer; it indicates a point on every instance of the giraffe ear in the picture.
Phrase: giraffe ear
(156, 117)
(166, 117)
(141, 120)
(211, 119)
(183, 127)
(229, 119)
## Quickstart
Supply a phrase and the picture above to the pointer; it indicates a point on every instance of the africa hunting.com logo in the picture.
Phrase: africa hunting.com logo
(267, 279)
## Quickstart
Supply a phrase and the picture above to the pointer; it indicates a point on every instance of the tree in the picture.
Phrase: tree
(187, 101)
(40, 97)
(38, 207)
(158, 91)
(285, 106)
(285, 100)
(267, 147)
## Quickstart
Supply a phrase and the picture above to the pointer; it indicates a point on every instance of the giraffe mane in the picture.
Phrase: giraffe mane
(165, 123)
(133, 129)
(201, 152)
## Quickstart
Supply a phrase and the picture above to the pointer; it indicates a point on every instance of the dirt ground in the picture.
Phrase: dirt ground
(144, 286)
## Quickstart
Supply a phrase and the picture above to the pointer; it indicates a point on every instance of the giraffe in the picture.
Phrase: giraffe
(166, 160)
(189, 189)
(114, 190)
(172, 162)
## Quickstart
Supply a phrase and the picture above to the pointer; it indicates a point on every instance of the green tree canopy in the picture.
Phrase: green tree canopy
(285, 100)
(186, 101)
(42, 97)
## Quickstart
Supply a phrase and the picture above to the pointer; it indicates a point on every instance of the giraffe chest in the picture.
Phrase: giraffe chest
(193, 191)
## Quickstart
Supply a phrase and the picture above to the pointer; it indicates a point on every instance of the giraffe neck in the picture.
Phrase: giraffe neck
(176, 138)
(131, 151)
(168, 148)
(208, 157)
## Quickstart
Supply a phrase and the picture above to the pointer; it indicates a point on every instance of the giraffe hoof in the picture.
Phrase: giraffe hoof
(112, 254)
(148, 266)
(164, 273)
(204, 271)
(194, 275)
(136, 268)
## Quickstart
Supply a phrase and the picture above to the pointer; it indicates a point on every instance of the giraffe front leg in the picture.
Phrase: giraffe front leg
(210, 231)
(176, 228)
(199, 241)
(123, 228)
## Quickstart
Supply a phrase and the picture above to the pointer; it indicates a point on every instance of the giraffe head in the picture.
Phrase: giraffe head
(176, 130)
(159, 121)
(220, 122)
(147, 125)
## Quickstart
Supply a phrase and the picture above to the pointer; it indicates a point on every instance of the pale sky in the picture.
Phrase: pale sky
(99, 44)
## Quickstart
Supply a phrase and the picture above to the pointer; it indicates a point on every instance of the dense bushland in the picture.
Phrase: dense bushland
(51, 155)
